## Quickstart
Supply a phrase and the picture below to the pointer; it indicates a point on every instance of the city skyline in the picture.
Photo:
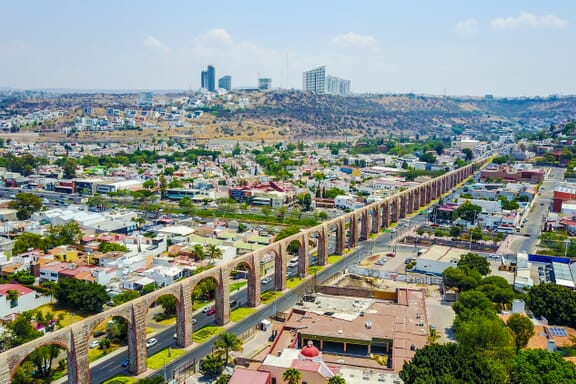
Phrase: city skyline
(504, 49)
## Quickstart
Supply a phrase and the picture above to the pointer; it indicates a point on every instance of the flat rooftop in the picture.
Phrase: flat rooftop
(331, 317)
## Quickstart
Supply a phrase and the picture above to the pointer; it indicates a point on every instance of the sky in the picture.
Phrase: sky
(443, 47)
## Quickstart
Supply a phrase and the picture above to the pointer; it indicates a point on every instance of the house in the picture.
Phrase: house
(244, 375)
(16, 298)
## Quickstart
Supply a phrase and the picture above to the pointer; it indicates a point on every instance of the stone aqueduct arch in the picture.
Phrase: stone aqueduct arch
(362, 222)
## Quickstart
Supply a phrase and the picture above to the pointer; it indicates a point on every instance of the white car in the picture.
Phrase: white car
(206, 309)
(194, 321)
(266, 280)
(94, 344)
(151, 342)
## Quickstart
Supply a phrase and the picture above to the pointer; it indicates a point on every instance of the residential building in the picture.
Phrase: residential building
(314, 80)
(26, 300)
(337, 86)
(208, 79)
(264, 83)
(225, 82)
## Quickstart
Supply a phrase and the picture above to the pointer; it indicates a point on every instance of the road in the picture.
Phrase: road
(535, 218)
(110, 367)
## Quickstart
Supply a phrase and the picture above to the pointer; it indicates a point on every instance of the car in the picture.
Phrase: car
(151, 342)
(99, 333)
(391, 254)
(393, 230)
(125, 363)
(175, 336)
(266, 280)
(94, 344)
(541, 204)
(206, 309)
(194, 321)
(211, 311)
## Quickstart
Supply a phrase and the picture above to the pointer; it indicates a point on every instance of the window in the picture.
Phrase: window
(273, 380)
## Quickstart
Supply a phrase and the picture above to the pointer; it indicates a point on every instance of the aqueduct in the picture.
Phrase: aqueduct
(349, 229)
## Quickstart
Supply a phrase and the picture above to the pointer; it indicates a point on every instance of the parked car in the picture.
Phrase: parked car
(94, 344)
(151, 342)
(194, 321)
(206, 309)
(266, 280)
(211, 311)
(125, 363)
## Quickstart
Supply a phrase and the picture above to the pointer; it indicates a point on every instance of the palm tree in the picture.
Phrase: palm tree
(292, 376)
(337, 380)
(213, 252)
(228, 342)
(198, 252)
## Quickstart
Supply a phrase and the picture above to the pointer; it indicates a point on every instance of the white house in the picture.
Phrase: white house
(26, 300)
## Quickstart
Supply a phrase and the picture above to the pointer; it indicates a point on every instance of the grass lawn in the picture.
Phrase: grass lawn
(333, 258)
(315, 269)
(293, 282)
(201, 304)
(68, 317)
(268, 296)
(168, 321)
(237, 285)
(240, 313)
(205, 333)
(157, 360)
(120, 380)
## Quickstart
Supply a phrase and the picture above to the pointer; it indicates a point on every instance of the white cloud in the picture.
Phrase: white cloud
(217, 34)
(528, 20)
(354, 39)
(467, 27)
(154, 42)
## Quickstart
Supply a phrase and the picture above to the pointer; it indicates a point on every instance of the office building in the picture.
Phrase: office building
(225, 82)
(264, 83)
(314, 80)
(208, 79)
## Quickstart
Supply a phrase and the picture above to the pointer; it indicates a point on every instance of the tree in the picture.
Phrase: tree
(556, 303)
(336, 380)
(28, 240)
(213, 252)
(69, 168)
(448, 364)
(482, 331)
(125, 296)
(455, 231)
(25, 203)
(461, 279)
(168, 303)
(22, 328)
(468, 154)
(65, 234)
(428, 157)
(22, 277)
(211, 365)
(106, 247)
(228, 342)
(292, 376)
(468, 211)
(162, 187)
(223, 379)
(81, 295)
(439, 148)
(42, 359)
(538, 366)
(522, 330)
(149, 184)
(475, 262)
(98, 202)
(470, 301)
(198, 251)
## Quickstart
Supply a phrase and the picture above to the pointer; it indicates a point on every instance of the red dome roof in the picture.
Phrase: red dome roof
(310, 351)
